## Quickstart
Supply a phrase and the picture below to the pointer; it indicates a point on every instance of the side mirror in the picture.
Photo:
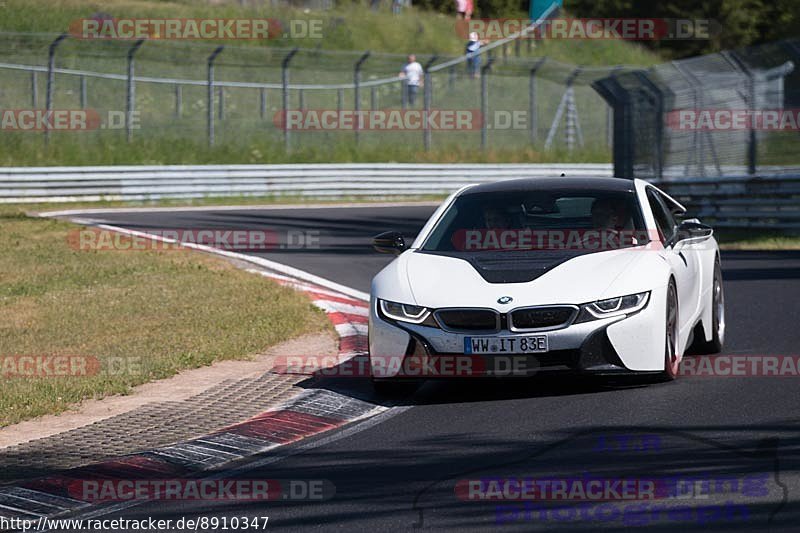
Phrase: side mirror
(390, 242)
(692, 231)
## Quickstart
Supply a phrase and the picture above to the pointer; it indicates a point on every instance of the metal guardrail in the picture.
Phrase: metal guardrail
(769, 201)
(68, 184)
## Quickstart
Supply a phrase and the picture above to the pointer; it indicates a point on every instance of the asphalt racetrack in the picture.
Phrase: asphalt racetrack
(733, 443)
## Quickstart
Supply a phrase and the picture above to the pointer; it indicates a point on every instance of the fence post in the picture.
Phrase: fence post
(658, 96)
(130, 101)
(339, 99)
(210, 110)
(285, 97)
(485, 102)
(34, 90)
(178, 101)
(573, 126)
(428, 102)
(532, 113)
(373, 98)
(357, 91)
(51, 66)
(221, 99)
(752, 143)
(403, 93)
(567, 104)
(301, 99)
(263, 102)
(84, 96)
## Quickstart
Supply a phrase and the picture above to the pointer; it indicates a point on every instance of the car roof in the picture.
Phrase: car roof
(560, 183)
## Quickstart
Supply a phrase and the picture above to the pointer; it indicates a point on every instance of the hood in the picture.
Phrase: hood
(436, 280)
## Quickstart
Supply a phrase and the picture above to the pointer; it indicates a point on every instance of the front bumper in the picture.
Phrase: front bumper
(615, 345)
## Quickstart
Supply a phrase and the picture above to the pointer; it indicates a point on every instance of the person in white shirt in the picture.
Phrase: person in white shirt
(461, 8)
(413, 74)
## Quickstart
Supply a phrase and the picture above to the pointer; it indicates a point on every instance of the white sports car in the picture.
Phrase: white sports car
(590, 275)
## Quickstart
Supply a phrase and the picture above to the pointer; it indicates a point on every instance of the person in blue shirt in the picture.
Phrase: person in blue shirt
(473, 57)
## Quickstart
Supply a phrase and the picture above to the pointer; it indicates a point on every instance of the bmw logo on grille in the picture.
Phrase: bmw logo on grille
(504, 299)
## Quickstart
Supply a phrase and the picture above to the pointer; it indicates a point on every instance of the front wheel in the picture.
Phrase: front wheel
(671, 334)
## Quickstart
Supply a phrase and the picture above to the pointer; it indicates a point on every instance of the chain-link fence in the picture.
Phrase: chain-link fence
(735, 113)
(202, 93)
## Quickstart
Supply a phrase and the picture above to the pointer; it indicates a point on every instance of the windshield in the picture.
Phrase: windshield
(539, 220)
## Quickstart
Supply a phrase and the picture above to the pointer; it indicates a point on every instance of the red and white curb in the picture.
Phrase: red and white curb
(310, 413)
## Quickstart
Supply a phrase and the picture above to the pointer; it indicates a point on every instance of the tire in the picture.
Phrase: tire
(671, 325)
(701, 345)
(393, 388)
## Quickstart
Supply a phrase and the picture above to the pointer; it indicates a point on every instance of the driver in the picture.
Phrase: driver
(609, 214)
(609, 217)
(496, 218)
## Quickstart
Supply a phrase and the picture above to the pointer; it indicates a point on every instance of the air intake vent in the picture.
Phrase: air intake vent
(469, 319)
(542, 317)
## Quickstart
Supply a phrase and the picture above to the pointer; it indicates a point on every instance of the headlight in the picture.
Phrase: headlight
(413, 314)
(621, 305)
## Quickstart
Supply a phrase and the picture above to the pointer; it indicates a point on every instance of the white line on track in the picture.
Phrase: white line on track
(271, 207)
(260, 261)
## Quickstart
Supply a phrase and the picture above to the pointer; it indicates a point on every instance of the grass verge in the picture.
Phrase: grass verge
(135, 317)
(757, 240)
(348, 26)
(71, 149)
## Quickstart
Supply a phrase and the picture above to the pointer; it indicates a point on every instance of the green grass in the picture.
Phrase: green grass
(73, 149)
(731, 239)
(158, 312)
(349, 26)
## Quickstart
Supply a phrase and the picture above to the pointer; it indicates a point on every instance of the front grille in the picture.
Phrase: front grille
(468, 319)
(542, 317)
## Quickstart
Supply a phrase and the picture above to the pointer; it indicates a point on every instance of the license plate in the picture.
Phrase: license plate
(494, 345)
